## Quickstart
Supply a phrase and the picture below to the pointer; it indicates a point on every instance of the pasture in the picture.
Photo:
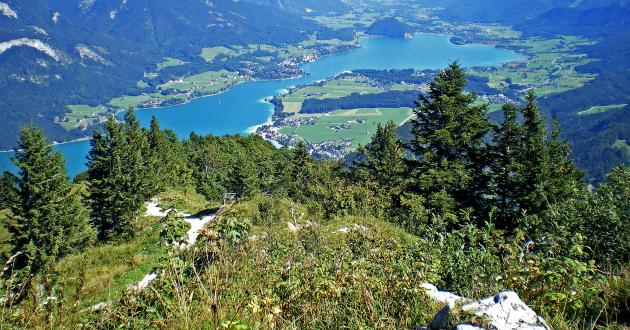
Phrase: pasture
(357, 124)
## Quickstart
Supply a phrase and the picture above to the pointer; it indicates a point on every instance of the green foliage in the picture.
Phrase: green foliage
(241, 165)
(120, 177)
(449, 129)
(173, 229)
(48, 217)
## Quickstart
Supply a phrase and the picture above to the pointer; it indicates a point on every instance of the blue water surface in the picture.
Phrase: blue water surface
(241, 108)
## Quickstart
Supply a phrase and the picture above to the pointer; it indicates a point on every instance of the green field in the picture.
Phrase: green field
(209, 54)
(601, 108)
(209, 82)
(141, 84)
(360, 133)
(128, 101)
(81, 116)
(169, 62)
(549, 69)
(332, 89)
(349, 20)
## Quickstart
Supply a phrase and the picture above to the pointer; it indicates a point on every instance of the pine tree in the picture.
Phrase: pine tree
(166, 159)
(534, 157)
(449, 129)
(137, 157)
(50, 219)
(117, 178)
(383, 157)
(8, 194)
(564, 179)
(506, 167)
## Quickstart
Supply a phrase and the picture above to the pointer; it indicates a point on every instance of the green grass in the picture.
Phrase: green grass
(349, 20)
(110, 269)
(321, 131)
(81, 116)
(209, 54)
(169, 62)
(185, 199)
(601, 109)
(549, 69)
(141, 84)
(331, 89)
(127, 101)
(209, 82)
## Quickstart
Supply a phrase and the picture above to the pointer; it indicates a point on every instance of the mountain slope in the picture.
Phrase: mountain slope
(60, 52)
(305, 7)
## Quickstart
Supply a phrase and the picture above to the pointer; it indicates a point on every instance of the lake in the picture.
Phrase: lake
(240, 109)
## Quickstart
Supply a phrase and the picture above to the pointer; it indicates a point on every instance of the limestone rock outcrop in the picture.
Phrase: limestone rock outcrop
(502, 311)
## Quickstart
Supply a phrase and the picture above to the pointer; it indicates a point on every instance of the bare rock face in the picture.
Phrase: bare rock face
(503, 311)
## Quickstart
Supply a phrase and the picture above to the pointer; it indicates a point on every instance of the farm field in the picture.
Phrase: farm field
(334, 89)
(551, 67)
(81, 116)
(209, 82)
(357, 125)
(127, 101)
(330, 89)
(209, 54)
(169, 62)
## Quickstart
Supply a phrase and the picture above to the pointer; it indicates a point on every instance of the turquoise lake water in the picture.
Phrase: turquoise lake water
(241, 108)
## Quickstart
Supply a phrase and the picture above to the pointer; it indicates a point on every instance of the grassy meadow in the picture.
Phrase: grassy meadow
(360, 133)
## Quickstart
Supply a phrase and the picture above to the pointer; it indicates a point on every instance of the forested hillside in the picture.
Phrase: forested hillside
(59, 53)
(471, 206)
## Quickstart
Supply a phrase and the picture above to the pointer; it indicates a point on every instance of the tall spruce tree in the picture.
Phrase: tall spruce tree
(448, 141)
(50, 219)
(564, 179)
(533, 157)
(167, 160)
(118, 177)
(506, 167)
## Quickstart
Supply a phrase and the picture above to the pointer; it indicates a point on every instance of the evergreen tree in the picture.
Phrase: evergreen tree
(506, 167)
(534, 157)
(448, 142)
(118, 182)
(137, 157)
(383, 157)
(50, 219)
(564, 179)
(8, 194)
(300, 171)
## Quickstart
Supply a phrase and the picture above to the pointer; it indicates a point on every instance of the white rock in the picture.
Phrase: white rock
(7, 11)
(444, 297)
(503, 311)
(153, 210)
(293, 227)
(356, 227)
(33, 43)
(507, 311)
(196, 224)
(55, 17)
(144, 283)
